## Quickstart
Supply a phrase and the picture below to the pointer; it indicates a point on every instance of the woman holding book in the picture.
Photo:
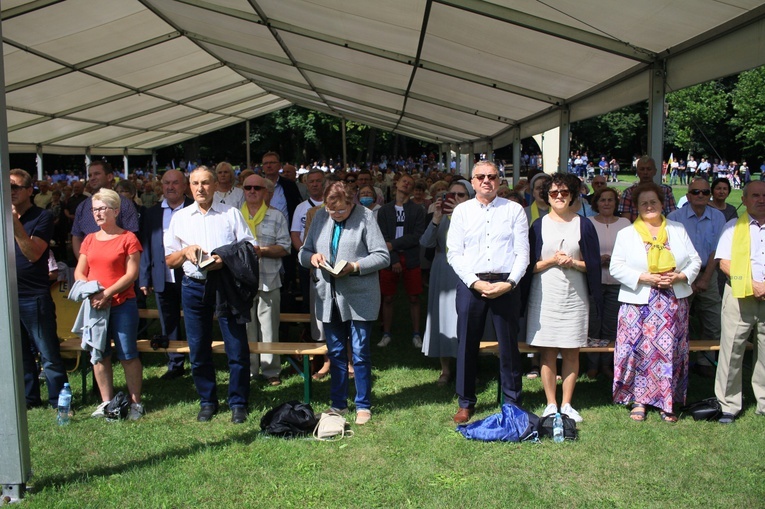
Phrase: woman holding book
(347, 249)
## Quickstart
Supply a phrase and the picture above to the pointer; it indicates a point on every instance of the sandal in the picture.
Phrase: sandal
(637, 413)
(443, 379)
(533, 373)
(668, 417)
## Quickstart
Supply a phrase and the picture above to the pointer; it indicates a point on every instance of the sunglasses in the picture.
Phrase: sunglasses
(253, 188)
(16, 187)
(350, 181)
(491, 176)
(696, 192)
(563, 193)
(460, 195)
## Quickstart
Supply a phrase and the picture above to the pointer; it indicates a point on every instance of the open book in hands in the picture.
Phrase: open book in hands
(337, 269)
(204, 260)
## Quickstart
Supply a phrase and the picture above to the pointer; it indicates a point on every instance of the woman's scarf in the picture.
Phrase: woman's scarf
(741, 262)
(659, 259)
(254, 221)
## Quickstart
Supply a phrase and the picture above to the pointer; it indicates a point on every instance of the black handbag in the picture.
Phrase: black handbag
(289, 420)
(117, 408)
(569, 427)
(705, 410)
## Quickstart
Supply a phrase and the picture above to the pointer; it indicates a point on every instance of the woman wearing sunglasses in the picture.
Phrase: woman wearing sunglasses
(347, 303)
(440, 338)
(564, 272)
(655, 262)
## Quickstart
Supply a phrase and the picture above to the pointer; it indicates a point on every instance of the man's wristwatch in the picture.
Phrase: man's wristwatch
(513, 284)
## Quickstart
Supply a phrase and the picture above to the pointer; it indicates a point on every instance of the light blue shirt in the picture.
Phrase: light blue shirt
(703, 231)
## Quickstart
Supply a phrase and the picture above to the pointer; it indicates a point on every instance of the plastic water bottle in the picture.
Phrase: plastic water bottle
(64, 405)
(557, 428)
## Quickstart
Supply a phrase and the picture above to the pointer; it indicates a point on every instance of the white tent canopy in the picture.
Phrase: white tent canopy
(117, 76)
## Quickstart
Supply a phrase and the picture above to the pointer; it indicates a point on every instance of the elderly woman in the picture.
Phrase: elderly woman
(440, 338)
(347, 303)
(111, 256)
(564, 268)
(655, 262)
(368, 198)
(607, 225)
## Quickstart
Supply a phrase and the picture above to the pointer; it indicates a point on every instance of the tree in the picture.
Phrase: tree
(748, 99)
(617, 134)
(695, 119)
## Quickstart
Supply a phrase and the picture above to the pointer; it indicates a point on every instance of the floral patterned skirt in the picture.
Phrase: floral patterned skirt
(651, 357)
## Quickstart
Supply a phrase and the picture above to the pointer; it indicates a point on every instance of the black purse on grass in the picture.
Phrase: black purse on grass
(569, 427)
(705, 410)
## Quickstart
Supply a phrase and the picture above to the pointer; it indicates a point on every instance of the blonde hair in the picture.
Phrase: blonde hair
(109, 197)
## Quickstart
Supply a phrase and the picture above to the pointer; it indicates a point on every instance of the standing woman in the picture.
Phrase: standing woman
(607, 225)
(440, 338)
(720, 193)
(348, 303)
(111, 256)
(564, 271)
(655, 262)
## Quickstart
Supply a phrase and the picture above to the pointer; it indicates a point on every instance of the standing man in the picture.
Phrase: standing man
(314, 181)
(488, 248)
(154, 274)
(402, 223)
(646, 170)
(100, 175)
(704, 225)
(227, 192)
(207, 225)
(32, 231)
(286, 198)
(742, 259)
(269, 227)
(44, 197)
(703, 168)
(364, 178)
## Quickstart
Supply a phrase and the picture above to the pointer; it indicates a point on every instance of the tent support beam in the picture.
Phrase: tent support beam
(657, 84)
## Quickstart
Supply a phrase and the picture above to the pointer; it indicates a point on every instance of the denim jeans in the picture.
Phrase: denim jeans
(123, 329)
(38, 325)
(198, 316)
(338, 333)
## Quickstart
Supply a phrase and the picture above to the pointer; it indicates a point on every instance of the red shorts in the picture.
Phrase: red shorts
(412, 281)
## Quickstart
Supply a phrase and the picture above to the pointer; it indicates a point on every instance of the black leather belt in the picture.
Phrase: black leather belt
(197, 280)
(493, 277)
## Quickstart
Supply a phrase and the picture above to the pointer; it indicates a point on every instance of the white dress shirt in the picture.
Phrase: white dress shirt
(221, 226)
(488, 238)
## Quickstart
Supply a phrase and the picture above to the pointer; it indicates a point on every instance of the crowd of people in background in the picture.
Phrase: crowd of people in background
(558, 266)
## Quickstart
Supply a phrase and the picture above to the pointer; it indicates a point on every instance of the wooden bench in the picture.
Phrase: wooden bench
(153, 314)
(306, 350)
(694, 345)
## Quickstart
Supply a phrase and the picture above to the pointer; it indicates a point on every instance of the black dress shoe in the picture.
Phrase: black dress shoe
(172, 374)
(206, 413)
(238, 415)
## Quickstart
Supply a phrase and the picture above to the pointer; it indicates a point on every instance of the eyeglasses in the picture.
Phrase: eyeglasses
(696, 192)
(460, 195)
(481, 177)
(332, 212)
(16, 187)
(563, 193)
(100, 209)
(253, 188)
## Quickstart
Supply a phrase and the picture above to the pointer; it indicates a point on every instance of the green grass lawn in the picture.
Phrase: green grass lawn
(408, 456)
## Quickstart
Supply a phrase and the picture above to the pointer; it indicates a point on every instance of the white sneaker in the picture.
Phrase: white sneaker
(417, 341)
(100, 410)
(385, 341)
(136, 411)
(569, 410)
(550, 409)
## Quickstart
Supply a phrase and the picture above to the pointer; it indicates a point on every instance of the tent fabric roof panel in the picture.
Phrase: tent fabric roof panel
(452, 71)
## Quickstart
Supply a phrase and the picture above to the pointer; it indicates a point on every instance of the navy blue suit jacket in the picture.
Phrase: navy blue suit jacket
(152, 272)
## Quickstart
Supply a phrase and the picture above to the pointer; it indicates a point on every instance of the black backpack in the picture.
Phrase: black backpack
(117, 408)
(569, 427)
(705, 410)
(289, 420)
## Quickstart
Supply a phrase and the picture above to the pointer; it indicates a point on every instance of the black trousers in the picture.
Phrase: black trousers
(169, 307)
(472, 310)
